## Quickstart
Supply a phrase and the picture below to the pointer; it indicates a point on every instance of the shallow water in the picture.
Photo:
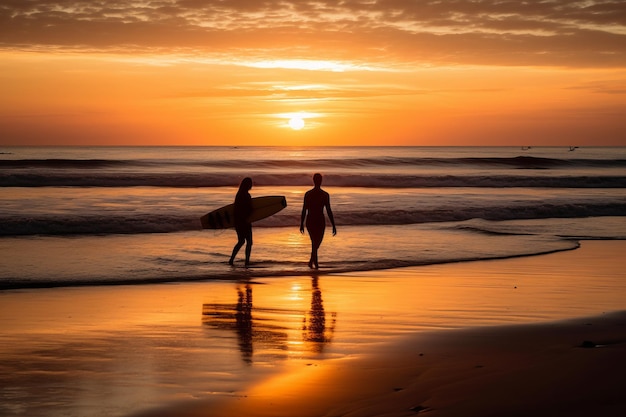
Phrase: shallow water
(41, 261)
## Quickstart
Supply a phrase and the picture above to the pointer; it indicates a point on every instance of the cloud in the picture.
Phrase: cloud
(611, 86)
(502, 32)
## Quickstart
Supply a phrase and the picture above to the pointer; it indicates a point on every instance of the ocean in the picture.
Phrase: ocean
(76, 216)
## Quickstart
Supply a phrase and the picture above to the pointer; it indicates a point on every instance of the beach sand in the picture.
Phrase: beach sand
(539, 336)
(567, 368)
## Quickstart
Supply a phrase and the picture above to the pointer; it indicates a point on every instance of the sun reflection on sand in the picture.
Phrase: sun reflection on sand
(296, 290)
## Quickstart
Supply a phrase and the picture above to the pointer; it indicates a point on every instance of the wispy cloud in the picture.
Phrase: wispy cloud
(503, 32)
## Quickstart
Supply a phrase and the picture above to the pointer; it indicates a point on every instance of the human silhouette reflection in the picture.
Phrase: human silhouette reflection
(264, 333)
(237, 317)
(314, 327)
(243, 322)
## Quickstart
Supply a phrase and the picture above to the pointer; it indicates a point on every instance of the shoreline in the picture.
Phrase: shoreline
(258, 271)
(239, 348)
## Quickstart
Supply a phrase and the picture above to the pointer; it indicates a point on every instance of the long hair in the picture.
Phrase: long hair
(246, 184)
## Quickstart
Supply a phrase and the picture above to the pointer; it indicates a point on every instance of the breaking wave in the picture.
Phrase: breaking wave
(196, 180)
(168, 223)
(518, 162)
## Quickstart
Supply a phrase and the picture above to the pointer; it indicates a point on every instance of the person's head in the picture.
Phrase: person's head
(317, 180)
(246, 184)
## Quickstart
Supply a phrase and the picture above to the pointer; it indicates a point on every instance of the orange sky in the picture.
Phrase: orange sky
(358, 72)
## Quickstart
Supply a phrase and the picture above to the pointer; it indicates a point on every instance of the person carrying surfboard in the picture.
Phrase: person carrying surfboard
(243, 226)
(315, 200)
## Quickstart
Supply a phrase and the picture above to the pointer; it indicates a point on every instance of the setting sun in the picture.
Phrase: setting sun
(296, 123)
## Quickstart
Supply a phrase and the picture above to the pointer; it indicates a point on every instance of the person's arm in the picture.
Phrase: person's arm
(329, 211)
(248, 208)
(303, 216)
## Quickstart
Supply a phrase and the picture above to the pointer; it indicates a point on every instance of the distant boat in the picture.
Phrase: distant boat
(525, 148)
(573, 148)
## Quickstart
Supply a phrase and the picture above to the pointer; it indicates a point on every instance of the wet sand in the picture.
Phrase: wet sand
(501, 338)
(566, 368)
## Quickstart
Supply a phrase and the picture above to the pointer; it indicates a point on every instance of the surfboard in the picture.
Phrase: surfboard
(262, 207)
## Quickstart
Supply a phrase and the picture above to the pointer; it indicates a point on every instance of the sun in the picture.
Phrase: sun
(296, 123)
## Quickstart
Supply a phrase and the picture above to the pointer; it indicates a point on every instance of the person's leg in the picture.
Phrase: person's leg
(238, 246)
(248, 247)
(316, 241)
(241, 239)
(314, 263)
(313, 237)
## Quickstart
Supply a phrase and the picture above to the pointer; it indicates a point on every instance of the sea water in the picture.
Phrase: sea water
(112, 215)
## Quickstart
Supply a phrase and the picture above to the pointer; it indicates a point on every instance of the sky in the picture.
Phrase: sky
(354, 72)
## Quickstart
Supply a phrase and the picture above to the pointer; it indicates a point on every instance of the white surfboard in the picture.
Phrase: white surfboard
(262, 207)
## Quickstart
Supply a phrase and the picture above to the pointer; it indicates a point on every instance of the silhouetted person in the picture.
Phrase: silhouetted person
(243, 227)
(315, 200)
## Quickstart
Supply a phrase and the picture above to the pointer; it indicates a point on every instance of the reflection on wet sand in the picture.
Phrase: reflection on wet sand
(314, 323)
(275, 332)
